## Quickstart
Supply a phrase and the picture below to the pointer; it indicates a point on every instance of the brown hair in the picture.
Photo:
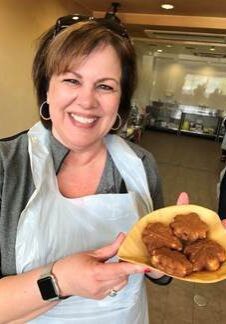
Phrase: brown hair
(55, 54)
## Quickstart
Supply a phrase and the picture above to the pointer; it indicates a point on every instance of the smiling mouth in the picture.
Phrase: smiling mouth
(82, 119)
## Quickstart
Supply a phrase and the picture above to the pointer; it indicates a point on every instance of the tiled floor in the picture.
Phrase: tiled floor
(186, 164)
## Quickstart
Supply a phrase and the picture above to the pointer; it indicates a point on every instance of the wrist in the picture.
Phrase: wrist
(58, 272)
(48, 284)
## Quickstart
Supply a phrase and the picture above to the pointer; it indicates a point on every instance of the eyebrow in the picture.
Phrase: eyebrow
(99, 80)
(107, 79)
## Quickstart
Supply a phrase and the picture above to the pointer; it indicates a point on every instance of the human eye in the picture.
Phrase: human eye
(71, 81)
(106, 87)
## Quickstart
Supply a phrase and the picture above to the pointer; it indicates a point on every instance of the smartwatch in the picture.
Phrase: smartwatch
(48, 285)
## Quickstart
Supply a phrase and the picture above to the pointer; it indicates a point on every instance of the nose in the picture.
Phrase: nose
(86, 97)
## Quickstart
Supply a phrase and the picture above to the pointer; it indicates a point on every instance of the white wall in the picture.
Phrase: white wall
(143, 92)
(166, 82)
(21, 23)
(167, 76)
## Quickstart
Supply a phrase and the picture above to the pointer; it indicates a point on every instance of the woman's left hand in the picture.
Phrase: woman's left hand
(224, 223)
(183, 199)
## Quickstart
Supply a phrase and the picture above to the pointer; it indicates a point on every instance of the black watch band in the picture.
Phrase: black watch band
(163, 281)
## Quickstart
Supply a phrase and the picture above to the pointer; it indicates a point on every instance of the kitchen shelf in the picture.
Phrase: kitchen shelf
(183, 119)
(198, 133)
(168, 129)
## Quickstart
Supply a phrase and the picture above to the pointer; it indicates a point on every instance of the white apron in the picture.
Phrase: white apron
(52, 226)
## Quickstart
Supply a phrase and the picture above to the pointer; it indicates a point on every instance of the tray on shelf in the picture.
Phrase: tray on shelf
(200, 121)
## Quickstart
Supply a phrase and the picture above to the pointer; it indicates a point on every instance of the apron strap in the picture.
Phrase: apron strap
(136, 180)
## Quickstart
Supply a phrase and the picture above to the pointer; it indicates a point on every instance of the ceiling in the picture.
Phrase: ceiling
(208, 8)
(192, 17)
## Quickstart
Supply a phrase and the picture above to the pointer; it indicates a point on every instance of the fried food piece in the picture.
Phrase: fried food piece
(157, 235)
(189, 227)
(171, 262)
(205, 255)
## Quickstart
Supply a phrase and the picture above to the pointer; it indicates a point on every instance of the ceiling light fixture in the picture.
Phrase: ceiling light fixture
(167, 6)
(212, 48)
(159, 50)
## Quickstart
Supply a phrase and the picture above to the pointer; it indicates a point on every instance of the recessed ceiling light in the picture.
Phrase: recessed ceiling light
(167, 6)
(168, 45)
(159, 50)
(212, 48)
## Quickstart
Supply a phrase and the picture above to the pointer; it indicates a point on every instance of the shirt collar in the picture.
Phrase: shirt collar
(59, 152)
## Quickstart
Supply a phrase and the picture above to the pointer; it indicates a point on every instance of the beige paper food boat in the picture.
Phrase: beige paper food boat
(134, 250)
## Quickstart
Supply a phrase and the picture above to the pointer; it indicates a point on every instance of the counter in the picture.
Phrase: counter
(185, 119)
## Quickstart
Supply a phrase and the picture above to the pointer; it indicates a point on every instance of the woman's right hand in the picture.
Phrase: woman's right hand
(88, 275)
(83, 274)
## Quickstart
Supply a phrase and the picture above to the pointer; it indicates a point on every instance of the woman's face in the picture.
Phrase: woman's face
(84, 101)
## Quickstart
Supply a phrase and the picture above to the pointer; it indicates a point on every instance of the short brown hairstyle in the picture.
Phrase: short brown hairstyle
(54, 56)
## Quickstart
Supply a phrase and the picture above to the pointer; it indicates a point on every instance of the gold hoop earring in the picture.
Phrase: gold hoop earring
(41, 111)
(119, 123)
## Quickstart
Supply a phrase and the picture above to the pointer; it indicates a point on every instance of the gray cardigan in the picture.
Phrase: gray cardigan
(16, 187)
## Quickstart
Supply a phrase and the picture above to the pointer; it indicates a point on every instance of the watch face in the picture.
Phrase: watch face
(47, 288)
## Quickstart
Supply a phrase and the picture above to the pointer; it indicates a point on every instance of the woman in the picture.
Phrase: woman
(68, 189)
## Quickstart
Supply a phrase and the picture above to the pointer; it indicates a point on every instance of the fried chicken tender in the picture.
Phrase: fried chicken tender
(205, 255)
(157, 235)
(171, 262)
(189, 227)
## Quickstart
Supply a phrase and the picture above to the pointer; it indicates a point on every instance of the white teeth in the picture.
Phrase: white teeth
(83, 120)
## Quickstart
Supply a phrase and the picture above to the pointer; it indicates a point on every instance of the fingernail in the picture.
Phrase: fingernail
(147, 270)
(120, 233)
